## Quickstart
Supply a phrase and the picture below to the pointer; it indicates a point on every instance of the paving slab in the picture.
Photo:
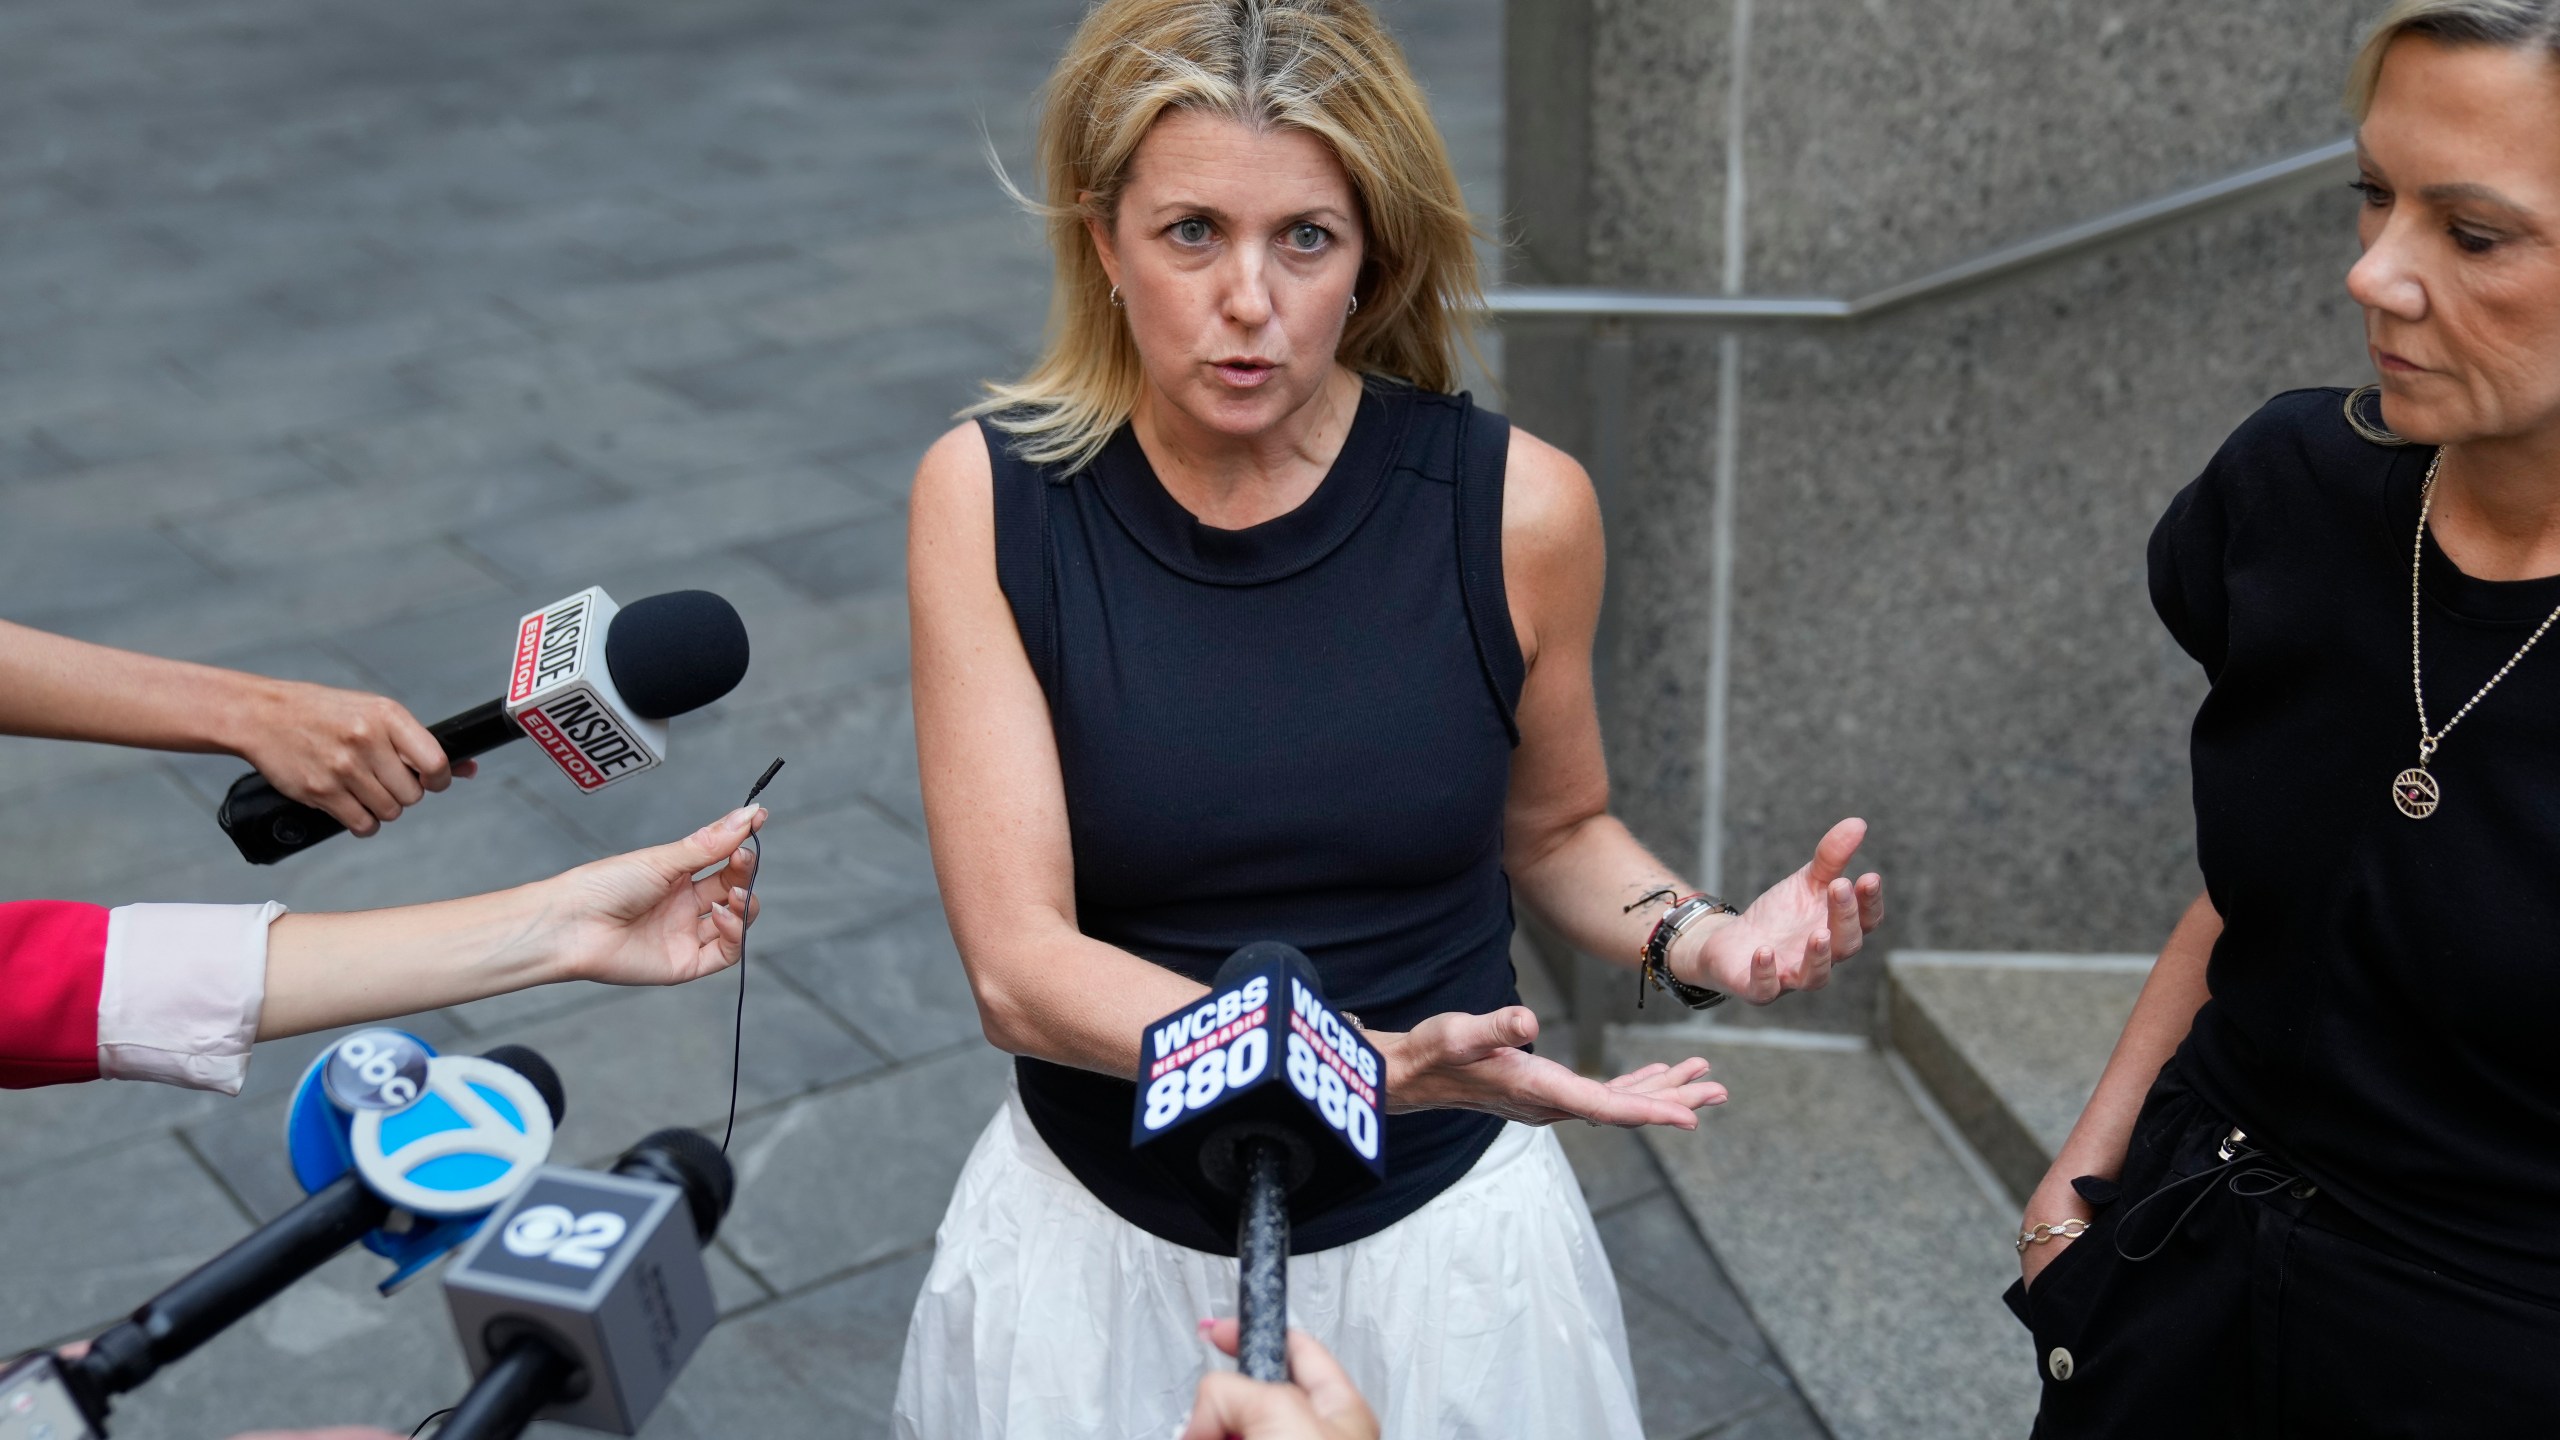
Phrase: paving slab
(360, 516)
(93, 1237)
(98, 833)
(46, 572)
(841, 746)
(859, 557)
(822, 1363)
(754, 506)
(169, 487)
(899, 984)
(640, 1060)
(840, 1180)
(316, 597)
(839, 868)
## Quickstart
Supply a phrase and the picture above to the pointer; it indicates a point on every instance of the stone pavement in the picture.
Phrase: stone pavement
(334, 337)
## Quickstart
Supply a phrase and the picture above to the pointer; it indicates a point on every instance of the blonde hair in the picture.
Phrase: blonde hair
(2502, 23)
(1323, 66)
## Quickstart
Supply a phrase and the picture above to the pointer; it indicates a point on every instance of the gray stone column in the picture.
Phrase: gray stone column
(1939, 619)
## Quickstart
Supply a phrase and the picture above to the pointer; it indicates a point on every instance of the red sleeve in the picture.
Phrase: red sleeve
(53, 953)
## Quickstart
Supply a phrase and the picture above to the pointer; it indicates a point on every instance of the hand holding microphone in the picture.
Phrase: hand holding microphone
(356, 757)
(359, 759)
(1317, 1402)
(591, 683)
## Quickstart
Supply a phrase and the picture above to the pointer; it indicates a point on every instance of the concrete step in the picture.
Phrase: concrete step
(1869, 1243)
(2010, 1046)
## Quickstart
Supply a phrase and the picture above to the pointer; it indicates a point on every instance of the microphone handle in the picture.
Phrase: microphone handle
(503, 1401)
(1262, 1263)
(230, 1285)
(267, 827)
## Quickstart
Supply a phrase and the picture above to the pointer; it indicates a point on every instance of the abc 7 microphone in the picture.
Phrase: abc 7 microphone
(1263, 1092)
(398, 1148)
(584, 1297)
(592, 683)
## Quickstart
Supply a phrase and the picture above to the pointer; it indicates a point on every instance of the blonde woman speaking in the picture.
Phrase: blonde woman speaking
(1232, 623)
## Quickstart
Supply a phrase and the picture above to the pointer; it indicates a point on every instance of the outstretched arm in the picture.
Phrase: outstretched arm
(362, 758)
(1575, 863)
(634, 919)
(995, 802)
(2152, 1033)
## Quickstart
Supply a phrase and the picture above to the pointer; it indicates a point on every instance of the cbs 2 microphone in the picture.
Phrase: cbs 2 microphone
(592, 683)
(584, 1297)
(398, 1148)
(1273, 1100)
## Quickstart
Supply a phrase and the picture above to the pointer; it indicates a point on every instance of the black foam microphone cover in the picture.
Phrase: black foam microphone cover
(1260, 952)
(675, 652)
(689, 1161)
(527, 1062)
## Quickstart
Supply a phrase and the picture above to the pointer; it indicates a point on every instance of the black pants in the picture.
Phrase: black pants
(2267, 1311)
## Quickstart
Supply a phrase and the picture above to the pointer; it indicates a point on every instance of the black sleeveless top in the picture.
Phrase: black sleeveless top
(1299, 731)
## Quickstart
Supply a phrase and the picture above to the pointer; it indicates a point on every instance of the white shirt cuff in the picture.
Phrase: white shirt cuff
(180, 998)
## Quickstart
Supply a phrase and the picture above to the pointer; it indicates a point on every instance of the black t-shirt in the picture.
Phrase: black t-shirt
(1299, 731)
(2386, 991)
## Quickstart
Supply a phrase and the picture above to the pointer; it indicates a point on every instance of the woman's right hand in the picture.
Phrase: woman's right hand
(1458, 1061)
(2051, 1204)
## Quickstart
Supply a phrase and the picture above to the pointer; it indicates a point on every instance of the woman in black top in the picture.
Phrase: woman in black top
(1232, 623)
(2334, 1211)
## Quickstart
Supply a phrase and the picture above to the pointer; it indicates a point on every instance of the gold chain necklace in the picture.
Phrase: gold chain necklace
(2414, 790)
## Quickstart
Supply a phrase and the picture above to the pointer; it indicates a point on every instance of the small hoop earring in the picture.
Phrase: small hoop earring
(1115, 299)
(1355, 306)
(2372, 430)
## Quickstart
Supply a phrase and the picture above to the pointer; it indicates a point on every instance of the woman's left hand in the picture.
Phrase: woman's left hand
(1799, 928)
(642, 919)
(1459, 1061)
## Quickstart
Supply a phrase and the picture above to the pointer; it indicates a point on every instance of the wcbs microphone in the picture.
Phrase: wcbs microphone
(397, 1147)
(1273, 1100)
(592, 683)
(584, 1297)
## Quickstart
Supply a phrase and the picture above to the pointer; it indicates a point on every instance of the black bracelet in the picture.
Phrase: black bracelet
(1654, 960)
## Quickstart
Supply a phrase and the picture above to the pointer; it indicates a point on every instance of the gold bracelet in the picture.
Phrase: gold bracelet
(2039, 1233)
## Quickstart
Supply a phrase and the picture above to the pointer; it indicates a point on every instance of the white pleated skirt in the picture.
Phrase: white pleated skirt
(1489, 1312)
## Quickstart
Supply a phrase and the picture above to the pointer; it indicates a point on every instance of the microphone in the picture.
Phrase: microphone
(591, 682)
(1214, 1103)
(584, 1297)
(400, 1148)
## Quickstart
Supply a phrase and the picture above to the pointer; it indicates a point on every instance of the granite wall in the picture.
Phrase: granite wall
(1939, 616)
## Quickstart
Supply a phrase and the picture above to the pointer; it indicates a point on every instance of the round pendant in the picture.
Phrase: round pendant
(2414, 791)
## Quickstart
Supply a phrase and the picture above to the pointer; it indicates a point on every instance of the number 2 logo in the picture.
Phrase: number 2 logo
(551, 1231)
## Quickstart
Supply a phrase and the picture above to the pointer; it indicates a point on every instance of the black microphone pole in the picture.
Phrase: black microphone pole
(173, 1323)
(528, 1375)
(1262, 1258)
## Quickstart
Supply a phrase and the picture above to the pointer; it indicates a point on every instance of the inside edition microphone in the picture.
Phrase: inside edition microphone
(592, 683)
(400, 1148)
(584, 1297)
(1273, 1100)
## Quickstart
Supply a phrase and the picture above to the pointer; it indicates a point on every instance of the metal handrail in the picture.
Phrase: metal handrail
(1579, 302)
